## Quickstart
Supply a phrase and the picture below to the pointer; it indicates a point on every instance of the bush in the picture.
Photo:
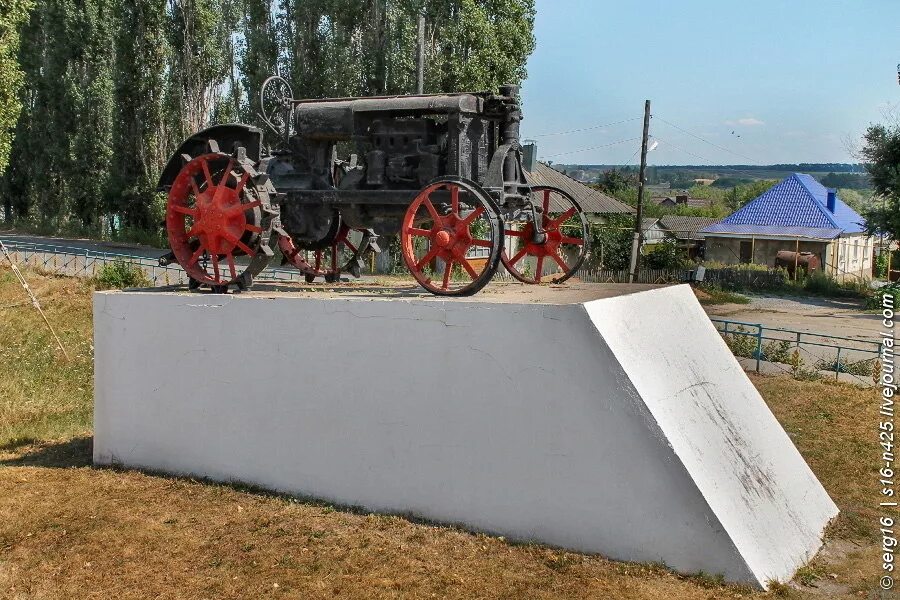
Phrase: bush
(715, 294)
(863, 368)
(665, 255)
(881, 265)
(777, 351)
(120, 274)
(820, 284)
(741, 343)
(876, 300)
(611, 243)
(744, 276)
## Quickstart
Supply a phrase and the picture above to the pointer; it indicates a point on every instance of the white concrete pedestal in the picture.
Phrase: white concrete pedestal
(621, 425)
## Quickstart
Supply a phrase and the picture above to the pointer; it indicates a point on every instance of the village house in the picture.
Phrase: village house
(683, 200)
(687, 233)
(596, 205)
(798, 214)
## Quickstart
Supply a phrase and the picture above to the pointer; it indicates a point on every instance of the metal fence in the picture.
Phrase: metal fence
(85, 262)
(802, 353)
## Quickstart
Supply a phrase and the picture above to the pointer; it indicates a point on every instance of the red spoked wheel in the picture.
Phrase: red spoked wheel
(342, 255)
(451, 237)
(562, 249)
(216, 213)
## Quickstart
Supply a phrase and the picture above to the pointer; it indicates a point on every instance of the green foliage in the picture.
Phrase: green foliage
(858, 200)
(614, 181)
(60, 159)
(665, 255)
(110, 88)
(876, 300)
(352, 47)
(611, 243)
(760, 277)
(742, 343)
(818, 283)
(13, 14)
(862, 368)
(716, 294)
(881, 151)
(138, 135)
(730, 182)
(800, 371)
(778, 351)
(483, 43)
(120, 274)
(881, 265)
(853, 181)
(201, 58)
(713, 264)
(258, 54)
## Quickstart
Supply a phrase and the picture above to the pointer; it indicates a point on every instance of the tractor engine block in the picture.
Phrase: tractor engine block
(404, 151)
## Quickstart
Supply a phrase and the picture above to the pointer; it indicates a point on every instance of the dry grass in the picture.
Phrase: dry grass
(66, 533)
(70, 531)
(42, 396)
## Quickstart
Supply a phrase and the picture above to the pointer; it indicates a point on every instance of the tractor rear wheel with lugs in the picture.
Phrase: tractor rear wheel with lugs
(219, 219)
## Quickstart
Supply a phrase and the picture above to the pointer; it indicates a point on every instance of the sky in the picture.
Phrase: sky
(771, 81)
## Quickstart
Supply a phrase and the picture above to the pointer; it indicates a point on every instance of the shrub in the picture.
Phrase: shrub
(820, 284)
(777, 351)
(744, 276)
(715, 294)
(741, 343)
(881, 265)
(876, 300)
(665, 255)
(862, 368)
(120, 274)
(799, 370)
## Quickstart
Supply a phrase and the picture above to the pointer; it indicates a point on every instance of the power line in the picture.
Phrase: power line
(592, 148)
(694, 135)
(585, 128)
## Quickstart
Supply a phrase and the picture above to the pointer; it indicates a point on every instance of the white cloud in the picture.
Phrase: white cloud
(746, 122)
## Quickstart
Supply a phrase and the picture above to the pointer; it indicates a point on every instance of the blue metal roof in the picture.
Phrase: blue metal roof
(797, 206)
(819, 233)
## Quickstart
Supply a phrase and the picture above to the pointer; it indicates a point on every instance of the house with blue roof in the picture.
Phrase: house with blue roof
(797, 214)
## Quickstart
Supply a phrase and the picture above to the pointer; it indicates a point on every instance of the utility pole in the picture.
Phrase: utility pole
(420, 56)
(636, 242)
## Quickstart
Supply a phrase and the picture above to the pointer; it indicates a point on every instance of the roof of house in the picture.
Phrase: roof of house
(696, 202)
(795, 207)
(686, 228)
(591, 200)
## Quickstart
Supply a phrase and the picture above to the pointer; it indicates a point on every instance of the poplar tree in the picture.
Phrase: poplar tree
(22, 57)
(139, 146)
(13, 14)
(90, 151)
(258, 54)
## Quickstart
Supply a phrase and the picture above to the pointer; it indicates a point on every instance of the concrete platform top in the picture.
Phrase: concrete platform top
(496, 292)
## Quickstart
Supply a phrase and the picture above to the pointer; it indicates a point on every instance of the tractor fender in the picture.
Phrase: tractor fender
(228, 137)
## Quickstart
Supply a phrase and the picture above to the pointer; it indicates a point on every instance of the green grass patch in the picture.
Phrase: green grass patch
(120, 274)
(713, 294)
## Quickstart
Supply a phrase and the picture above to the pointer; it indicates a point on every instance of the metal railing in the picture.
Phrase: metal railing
(84, 262)
(801, 352)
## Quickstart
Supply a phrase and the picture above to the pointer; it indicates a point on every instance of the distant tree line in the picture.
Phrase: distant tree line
(109, 88)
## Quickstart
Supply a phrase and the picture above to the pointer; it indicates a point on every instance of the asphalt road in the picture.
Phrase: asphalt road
(112, 247)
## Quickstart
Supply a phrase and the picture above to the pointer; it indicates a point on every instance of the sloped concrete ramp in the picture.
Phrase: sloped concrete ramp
(620, 425)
